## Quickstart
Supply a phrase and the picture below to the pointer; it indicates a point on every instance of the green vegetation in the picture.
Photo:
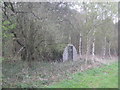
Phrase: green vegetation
(55, 75)
(17, 75)
(92, 30)
(34, 36)
(104, 77)
(7, 27)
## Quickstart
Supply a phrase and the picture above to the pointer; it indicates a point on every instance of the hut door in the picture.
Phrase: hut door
(70, 52)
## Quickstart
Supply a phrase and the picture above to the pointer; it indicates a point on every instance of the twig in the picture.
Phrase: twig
(18, 52)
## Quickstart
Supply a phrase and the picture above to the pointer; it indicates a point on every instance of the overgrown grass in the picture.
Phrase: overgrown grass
(104, 77)
(16, 74)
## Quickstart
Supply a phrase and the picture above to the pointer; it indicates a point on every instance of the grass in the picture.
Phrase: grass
(46, 74)
(17, 75)
(104, 77)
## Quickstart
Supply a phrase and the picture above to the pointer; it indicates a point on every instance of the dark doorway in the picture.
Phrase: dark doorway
(70, 53)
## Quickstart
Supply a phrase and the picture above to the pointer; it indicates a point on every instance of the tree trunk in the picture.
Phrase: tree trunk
(104, 48)
(69, 41)
(93, 49)
(109, 52)
(80, 45)
(28, 52)
(87, 51)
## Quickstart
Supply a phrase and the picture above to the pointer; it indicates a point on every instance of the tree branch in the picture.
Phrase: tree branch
(17, 40)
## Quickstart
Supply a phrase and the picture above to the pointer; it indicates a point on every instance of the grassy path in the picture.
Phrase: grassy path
(103, 77)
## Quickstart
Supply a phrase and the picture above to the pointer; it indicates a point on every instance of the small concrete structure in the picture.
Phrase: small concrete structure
(70, 53)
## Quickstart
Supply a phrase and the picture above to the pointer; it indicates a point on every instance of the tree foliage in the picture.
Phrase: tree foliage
(42, 30)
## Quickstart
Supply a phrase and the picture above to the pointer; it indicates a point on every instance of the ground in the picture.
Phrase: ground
(53, 74)
(104, 77)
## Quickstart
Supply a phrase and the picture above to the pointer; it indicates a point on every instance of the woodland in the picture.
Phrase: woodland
(40, 31)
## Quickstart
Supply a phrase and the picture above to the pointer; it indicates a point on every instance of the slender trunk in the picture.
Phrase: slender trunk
(104, 48)
(93, 49)
(69, 41)
(80, 45)
(109, 52)
(87, 51)
(14, 47)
